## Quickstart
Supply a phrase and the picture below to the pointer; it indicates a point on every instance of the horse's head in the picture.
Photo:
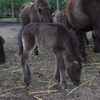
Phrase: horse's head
(46, 15)
(2, 54)
(58, 17)
(74, 72)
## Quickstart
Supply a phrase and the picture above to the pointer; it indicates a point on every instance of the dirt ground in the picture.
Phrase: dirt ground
(43, 85)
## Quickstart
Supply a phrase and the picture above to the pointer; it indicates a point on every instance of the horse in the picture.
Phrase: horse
(39, 11)
(59, 39)
(96, 42)
(2, 54)
(84, 16)
(61, 17)
(30, 12)
(58, 17)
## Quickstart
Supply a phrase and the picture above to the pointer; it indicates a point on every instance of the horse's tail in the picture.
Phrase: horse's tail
(20, 44)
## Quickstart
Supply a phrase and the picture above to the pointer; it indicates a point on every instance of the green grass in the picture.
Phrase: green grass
(8, 20)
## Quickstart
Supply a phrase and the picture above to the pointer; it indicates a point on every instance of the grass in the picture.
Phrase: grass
(8, 20)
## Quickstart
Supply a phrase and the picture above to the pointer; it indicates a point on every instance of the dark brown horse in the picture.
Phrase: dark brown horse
(40, 11)
(31, 12)
(84, 15)
(59, 39)
(2, 54)
(61, 17)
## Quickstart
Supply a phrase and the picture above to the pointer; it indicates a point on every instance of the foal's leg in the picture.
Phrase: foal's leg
(86, 39)
(60, 69)
(36, 52)
(56, 72)
(26, 75)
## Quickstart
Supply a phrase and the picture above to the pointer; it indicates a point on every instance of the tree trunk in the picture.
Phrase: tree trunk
(57, 4)
(12, 8)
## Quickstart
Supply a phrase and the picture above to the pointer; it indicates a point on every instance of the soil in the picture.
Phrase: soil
(43, 85)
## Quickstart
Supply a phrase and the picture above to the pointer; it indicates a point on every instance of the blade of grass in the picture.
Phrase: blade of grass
(48, 91)
(37, 98)
(18, 70)
(89, 71)
(13, 88)
(78, 87)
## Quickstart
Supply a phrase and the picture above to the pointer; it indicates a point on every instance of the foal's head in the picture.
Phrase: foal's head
(74, 72)
(2, 54)
(46, 15)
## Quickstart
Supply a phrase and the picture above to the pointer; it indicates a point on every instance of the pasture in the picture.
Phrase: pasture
(43, 85)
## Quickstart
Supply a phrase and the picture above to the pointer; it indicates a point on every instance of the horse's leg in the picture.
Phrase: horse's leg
(81, 36)
(86, 39)
(96, 42)
(56, 72)
(97, 32)
(60, 69)
(36, 52)
(26, 75)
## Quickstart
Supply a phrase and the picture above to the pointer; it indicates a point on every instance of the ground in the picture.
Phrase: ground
(43, 85)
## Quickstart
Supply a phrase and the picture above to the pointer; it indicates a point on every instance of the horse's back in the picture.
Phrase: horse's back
(25, 5)
(46, 35)
(25, 14)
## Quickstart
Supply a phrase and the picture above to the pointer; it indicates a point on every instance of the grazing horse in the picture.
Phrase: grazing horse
(2, 54)
(59, 39)
(40, 11)
(85, 15)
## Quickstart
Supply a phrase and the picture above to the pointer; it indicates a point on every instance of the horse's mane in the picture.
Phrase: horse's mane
(75, 43)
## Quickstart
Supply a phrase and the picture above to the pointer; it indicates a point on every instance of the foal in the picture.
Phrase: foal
(58, 38)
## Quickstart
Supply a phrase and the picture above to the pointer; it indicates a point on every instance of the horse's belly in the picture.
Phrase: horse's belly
(77, 18)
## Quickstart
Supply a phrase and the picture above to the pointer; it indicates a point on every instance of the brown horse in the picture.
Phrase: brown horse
(58, 17)
(2, 54)
(61, 17)
(40, 11)
(84, 15)
(31, 12)
(58, 38)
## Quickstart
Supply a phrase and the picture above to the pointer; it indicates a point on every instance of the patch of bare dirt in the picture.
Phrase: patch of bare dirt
(43, 85)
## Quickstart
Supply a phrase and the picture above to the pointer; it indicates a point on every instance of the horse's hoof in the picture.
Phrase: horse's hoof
(67, 90)
(98, 74)
(36, 56)
(29, 85)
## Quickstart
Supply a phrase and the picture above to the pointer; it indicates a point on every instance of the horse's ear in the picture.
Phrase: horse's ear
(53, 14)
(40, 11)
(52, 9)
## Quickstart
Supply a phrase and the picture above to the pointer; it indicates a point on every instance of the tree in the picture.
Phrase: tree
(57, 4)
(11, 8)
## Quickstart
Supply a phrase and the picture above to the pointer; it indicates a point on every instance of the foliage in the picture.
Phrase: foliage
(62, 4)
(5, 6)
